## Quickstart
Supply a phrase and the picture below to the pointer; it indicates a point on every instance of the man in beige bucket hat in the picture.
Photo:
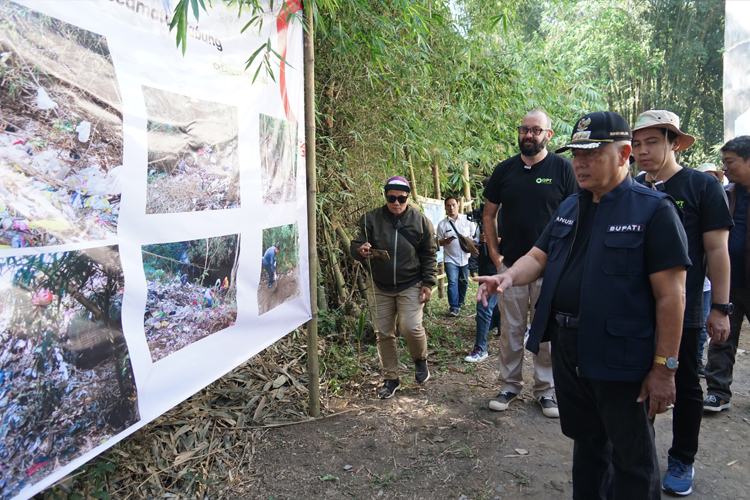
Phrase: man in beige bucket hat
(707, 220)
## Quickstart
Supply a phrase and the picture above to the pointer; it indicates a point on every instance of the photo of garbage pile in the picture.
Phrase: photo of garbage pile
(193, 164)
(66, 382)
(278, 160)
(192, 291)
(60, 132)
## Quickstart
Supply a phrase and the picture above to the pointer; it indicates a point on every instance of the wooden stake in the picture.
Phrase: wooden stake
(313, 370)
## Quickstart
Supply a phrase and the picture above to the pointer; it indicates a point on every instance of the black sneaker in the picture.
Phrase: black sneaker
(712, 403)
(421, 373)
(389, 389)
(502, 401)
(549, 407)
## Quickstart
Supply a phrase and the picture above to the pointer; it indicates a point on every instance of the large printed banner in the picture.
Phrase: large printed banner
(736, 64)
(152, 217)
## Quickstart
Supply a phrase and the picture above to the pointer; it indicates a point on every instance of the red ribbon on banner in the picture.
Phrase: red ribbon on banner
(282, 26)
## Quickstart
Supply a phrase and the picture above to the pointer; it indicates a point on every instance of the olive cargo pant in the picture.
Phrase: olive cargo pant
(405, 306)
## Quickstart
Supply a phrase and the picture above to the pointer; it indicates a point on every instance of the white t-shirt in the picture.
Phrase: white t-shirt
(453, 253)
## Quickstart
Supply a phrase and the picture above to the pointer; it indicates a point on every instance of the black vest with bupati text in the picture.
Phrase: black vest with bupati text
(617, 318)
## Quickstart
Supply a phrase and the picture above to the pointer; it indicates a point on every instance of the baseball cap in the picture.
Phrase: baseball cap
(397, 183)
(598, 129)
(660, 118)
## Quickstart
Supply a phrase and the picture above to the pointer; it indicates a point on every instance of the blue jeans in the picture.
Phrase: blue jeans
(270, 271)
(458, 282)
(484, 321)
(704, 333)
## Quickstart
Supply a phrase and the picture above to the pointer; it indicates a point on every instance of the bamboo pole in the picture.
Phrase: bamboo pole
(313, 370)
(466, 200)
(337, 276)
(412, 179)
(440, 266)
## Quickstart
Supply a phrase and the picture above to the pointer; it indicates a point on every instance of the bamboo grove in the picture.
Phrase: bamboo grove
(427, 85)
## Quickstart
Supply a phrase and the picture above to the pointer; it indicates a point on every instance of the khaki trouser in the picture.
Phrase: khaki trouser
(514, 305)
(406, 306)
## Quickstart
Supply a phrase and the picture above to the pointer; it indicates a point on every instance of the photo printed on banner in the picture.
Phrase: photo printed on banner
(60, 132)
(279, 276)
(192, 291)
(278, 160)
(193, 163)
(66, 383)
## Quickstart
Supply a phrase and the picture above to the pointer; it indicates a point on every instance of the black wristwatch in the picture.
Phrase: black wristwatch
(727, 308)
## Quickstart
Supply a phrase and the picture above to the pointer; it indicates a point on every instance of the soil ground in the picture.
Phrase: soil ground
(285, 288)
(440, 440)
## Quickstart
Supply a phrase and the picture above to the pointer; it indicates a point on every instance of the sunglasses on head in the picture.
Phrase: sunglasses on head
(392, 199)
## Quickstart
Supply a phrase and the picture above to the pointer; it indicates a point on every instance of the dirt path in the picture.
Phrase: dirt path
(285, 288)
(442, 442)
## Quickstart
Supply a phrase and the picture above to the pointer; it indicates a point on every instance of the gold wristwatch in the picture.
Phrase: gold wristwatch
(670, 363)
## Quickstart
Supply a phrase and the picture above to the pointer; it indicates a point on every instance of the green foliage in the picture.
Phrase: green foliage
(288, 239)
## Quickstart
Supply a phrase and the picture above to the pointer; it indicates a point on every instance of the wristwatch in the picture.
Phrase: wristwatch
(670, 363)
(727, 308)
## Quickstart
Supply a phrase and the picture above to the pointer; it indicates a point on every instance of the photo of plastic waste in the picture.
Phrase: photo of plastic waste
(60, 132)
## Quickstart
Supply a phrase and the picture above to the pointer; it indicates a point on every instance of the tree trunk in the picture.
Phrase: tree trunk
(233, 276)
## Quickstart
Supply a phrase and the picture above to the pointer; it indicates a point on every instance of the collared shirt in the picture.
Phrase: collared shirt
(453, 253)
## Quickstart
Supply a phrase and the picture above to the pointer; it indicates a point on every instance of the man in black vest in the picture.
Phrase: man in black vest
(706, 219)
(614, 259)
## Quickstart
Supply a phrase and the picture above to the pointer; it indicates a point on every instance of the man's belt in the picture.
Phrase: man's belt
(566, 320)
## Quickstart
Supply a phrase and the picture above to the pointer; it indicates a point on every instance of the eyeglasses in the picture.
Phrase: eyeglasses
(392, 199)
(523, 130)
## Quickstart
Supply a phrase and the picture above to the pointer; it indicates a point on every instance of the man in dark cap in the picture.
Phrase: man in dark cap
(397, 245)
(614, 259)
(269, 263)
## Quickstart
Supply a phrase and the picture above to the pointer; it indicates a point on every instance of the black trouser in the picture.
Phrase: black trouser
(614, 455)
(688, 406)
(721, 356)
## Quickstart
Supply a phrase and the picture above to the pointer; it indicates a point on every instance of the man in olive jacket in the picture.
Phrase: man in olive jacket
(403, 278)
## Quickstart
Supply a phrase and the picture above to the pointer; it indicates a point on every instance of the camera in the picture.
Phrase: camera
(477, 216)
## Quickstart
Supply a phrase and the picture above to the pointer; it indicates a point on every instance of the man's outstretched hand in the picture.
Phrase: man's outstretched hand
(492, 285)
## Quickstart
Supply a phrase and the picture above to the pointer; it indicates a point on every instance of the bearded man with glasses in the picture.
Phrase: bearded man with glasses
(530, 186)
(397, 246)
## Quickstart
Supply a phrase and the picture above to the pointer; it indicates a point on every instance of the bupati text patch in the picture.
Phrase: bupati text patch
(625, 228)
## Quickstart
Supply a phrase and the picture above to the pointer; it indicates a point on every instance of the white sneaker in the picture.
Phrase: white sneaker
(476, 356)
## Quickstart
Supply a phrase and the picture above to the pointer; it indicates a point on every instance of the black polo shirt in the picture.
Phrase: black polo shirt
(529, 197)
(704, 207)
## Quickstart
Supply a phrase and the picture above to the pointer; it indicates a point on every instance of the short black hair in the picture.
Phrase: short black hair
(740, 146)
(450, 198)
(485, 181)
(670, 134)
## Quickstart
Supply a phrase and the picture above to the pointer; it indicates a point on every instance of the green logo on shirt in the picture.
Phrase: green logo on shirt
(543, 180)
(680, 204)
